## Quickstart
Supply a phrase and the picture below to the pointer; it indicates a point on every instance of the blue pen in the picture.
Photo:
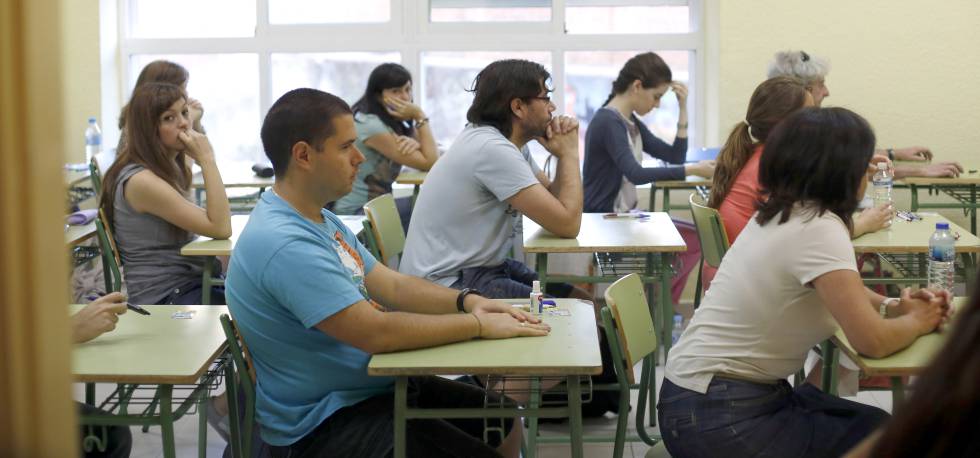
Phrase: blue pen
(133, 307)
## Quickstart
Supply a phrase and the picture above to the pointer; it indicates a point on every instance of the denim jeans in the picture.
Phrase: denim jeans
(506, 281)
(744, 419)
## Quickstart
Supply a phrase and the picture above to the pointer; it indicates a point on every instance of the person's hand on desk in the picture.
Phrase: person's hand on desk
(937, 170)
(480, 305)
(498, 320)
(407, 145)
(912, 153)
(704, 169)
(98, 317)
(929, 309)
(873, 220)
(561, 137)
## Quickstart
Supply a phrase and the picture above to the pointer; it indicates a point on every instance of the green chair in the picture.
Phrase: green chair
(110, 255)
(383, 230)
(239, 380)
(95, 174)
(632, 339)
(711, 235)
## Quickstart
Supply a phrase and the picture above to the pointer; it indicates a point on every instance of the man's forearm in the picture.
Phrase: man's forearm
(567, 187)
(416, 295)
(407, 331)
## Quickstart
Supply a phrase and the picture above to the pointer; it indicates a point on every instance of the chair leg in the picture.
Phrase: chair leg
(697, 287)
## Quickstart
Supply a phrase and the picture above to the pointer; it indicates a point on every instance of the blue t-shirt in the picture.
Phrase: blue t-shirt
(287, 274)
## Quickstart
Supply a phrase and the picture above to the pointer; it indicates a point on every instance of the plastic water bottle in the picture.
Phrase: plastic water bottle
(536, 306)
(675, 333)
(93, 140)
(882, 186)
(942, 255)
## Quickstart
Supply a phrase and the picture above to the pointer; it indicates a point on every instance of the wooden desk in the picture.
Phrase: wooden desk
(154, 350)
(905, 244)
(962, 189)
(78, 234)
(909, 361)
(570, 350)
(414, 178)
(206, 246)
(235, 175)
(690, 183)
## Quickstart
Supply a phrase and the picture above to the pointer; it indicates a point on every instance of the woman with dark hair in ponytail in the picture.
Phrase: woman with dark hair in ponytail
(735, 186)
(616, 140)
(392, 131)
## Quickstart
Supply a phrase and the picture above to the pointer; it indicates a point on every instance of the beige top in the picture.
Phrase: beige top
(206, 246)
(913, 237)
(656, 234)
(909, 361)
(572, 348)
(153, 349)
(762, 315)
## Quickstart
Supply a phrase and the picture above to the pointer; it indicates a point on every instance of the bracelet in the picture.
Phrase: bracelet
(682, 126)
(479, 332)
(891, 154)
(422, 122)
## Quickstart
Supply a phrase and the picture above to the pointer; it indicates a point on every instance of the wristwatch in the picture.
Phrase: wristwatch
(891, 154)
(462, 295)
(883, 306)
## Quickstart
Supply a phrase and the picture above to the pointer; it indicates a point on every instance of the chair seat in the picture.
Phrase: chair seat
(658, 451)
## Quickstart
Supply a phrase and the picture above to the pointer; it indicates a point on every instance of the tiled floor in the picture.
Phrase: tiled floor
(148, 445)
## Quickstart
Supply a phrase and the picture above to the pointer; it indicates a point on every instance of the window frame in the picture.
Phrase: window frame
(410, 33)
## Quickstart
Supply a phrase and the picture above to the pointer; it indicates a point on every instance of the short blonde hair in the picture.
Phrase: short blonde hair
(800, 65)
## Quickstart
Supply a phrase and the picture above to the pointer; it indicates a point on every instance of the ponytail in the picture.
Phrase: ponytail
(733, 156)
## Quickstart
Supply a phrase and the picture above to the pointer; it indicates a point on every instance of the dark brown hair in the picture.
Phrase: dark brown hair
(300, 115)
(158, 71)
(649, 68)
(771, 102)
(500, 83)
(143, 145)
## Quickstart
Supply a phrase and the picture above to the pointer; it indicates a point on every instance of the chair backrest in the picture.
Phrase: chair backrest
(240, 380)
(95, 174)
(384, 226)
(635, 332)
(110, 255)
(711, 231)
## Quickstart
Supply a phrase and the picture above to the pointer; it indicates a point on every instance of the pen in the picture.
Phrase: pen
(133, 307)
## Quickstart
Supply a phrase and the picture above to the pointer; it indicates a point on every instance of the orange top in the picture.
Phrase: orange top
(739, 204)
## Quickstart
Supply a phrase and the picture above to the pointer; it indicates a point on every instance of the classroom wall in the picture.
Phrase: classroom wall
(908, 66)
(80, 37)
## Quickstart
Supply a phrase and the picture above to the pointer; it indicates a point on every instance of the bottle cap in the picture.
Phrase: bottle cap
(882, 166)
(91, 120)
(535, 286)
(942, 226)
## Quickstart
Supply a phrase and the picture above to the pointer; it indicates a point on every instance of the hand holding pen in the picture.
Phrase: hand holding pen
(133, 307)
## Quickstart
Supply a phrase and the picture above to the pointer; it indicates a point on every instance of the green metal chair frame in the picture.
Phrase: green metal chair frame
(110, 255)
(632, 338)
(383, 229)
(95, 174)
(238, 379)
(711, 235)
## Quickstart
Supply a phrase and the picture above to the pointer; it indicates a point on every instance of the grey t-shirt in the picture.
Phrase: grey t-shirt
(461, 218)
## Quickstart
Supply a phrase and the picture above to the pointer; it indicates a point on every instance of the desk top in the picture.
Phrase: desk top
(206, 246)
(236, 175)
(656, 234)
(909, 361)
(913, 237)
(414, 177)
(687, 183)
(75, 178)
(153, 349)
(572, 348)
(77, 234)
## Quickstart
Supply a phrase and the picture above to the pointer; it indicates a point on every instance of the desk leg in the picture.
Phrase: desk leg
(202, 424)
(575, 414)
(898, 392)
(666, 208)
(206, 280)
(541, 264)
(401, 404)
(973, 209)
(415, 195)
(969, 272)
(90, 394)
(829, 375)
(666, 303)
(653, 197)
(534, 402)
(167, 421)
(914, 191)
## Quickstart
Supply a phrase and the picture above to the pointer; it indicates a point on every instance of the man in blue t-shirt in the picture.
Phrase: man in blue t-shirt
(313, 306)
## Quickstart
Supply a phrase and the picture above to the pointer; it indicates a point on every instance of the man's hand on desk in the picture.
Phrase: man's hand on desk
(937, 170)
(98, 317)
(499, 320)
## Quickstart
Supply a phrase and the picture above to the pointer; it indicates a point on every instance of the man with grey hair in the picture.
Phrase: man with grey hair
(813, 71)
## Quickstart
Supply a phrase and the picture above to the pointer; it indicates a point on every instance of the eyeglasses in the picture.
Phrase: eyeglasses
(804, 56)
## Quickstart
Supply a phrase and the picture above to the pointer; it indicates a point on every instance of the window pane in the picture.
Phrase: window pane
(490, 10)
(191, 18)
(227, 86)
(626, 16)
(589, 78)
(343, 74)
(447, 76)
(328, 11)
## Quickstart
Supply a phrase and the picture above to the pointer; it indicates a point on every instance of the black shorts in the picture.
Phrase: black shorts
(367, 429)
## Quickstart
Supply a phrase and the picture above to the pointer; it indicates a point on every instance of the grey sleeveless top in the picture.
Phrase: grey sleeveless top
(149, 248)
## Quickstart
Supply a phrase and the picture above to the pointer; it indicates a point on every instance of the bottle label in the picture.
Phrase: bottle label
(943, 254)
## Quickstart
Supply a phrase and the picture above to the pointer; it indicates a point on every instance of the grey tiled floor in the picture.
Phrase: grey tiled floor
(148, 445)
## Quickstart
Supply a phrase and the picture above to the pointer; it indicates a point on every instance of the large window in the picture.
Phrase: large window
(243, 54)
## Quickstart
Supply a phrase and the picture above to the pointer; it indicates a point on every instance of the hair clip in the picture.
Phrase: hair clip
(804, 56)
